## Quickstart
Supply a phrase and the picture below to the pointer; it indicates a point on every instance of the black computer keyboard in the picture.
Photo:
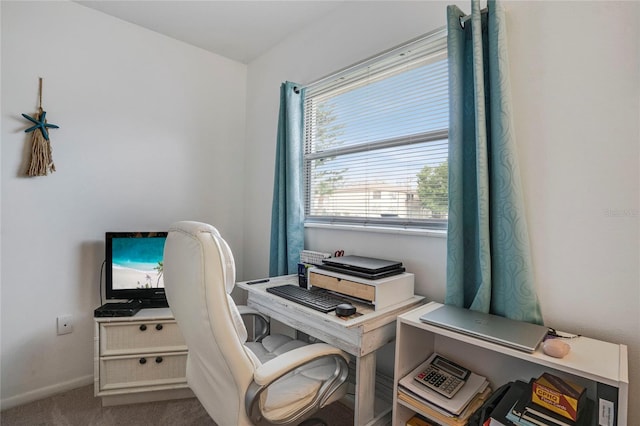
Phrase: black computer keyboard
(317, 299)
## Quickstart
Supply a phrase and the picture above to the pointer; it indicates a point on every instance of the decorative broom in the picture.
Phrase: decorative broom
(41, 160)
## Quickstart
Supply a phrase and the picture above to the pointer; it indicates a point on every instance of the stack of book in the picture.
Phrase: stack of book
(519, 407)
(454, 411)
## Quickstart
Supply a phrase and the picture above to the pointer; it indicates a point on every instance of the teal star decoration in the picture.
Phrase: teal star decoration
(40, 124)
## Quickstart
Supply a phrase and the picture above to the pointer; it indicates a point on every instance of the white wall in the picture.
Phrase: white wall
(151, 131)
(576, 94)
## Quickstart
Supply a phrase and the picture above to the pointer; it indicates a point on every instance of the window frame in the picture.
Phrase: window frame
(439, 135)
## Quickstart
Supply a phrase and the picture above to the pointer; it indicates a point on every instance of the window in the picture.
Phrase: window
(376, 140)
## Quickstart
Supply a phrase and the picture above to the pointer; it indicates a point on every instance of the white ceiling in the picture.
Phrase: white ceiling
(239, 30)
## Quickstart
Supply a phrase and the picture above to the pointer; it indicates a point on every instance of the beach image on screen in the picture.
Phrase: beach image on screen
(137, 263)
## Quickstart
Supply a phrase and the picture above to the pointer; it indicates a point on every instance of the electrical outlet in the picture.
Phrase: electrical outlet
(65, 324)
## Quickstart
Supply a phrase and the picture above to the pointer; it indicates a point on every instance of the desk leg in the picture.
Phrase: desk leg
(365, 389)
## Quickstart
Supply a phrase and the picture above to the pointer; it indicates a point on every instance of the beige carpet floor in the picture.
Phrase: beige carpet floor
(79, 407)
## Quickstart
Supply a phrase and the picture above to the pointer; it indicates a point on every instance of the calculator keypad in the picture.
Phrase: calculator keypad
(440, 381)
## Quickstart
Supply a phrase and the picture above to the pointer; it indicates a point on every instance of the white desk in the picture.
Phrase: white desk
(359, 335)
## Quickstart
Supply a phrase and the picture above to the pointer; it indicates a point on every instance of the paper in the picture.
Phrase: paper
(474, 385)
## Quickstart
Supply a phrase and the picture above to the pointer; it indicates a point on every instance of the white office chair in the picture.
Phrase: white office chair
(275, 381)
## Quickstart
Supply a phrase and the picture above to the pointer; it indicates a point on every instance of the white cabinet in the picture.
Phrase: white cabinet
(140, 358)
(601, 367)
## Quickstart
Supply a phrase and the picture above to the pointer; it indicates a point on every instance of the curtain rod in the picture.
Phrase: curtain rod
(435, 33)
(464, 19)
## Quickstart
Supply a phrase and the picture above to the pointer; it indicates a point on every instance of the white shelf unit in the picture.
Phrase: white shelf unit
(140, 358)
(601, 367)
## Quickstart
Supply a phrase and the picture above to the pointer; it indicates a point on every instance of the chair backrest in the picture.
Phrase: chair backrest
(199, 274)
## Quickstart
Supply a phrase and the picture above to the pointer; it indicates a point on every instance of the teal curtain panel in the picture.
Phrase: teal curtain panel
(287, 212)
(489, 266)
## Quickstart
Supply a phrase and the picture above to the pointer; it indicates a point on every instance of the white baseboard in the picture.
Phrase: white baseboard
(45, 392)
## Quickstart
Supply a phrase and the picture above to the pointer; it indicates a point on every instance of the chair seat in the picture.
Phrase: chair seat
(272, 346)
(295, 389)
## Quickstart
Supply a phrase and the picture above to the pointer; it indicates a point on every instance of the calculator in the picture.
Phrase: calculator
(443, 376)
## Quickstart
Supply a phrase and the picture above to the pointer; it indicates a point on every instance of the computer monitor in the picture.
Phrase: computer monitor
(134, 267)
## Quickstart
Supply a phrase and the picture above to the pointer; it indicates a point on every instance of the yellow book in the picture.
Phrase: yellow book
(558, 395)
(417, 421)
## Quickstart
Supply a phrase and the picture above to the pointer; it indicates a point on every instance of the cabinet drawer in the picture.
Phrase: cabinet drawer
(142, 370)
(140, 337)
(350, 288)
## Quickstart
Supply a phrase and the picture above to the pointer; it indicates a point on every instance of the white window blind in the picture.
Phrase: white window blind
(376, 140)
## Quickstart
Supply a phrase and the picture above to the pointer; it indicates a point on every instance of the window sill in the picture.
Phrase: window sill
(379, 229)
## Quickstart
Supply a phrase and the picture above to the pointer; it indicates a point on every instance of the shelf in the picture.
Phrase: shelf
(601, 367)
